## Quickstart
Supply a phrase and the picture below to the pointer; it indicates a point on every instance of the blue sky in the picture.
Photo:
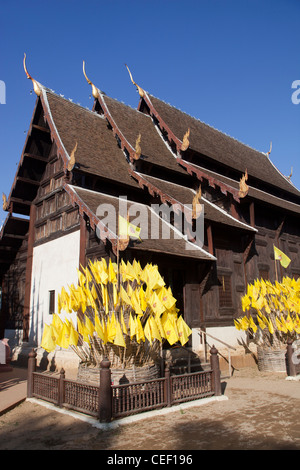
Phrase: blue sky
(230, 63)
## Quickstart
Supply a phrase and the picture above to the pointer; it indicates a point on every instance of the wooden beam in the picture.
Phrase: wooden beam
(13, 235)
(40, 128)
(36, 157)
(28, 181)
(18, 200)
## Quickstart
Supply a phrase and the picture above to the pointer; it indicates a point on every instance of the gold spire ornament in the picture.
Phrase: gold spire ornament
(36, 87)
(244, 188)
(5, 203)
(185, 141)
(268, 153)
(95, 91)
(139, 89)
(72, 161)
(196, 205)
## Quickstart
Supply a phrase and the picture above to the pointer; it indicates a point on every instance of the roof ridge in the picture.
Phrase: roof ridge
(70, 101)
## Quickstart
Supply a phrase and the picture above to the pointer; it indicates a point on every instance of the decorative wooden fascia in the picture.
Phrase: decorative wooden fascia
(117, 132)
(213, 182)
(162, 124)
(164, 197)
(55, 137)
(94, 221)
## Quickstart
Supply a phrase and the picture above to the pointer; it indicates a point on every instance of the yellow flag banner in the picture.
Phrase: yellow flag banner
(126, 229)
(281, 257)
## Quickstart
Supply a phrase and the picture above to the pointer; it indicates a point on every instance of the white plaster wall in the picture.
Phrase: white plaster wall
(54, 266)
(227, 334)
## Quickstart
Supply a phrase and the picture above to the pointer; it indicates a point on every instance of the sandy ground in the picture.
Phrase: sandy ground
(262, 412)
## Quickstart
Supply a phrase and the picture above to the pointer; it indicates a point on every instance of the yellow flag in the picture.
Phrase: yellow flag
(123, 324)
(135, 300)
(48, 342)
(124, 296)
(156, 305)
(128, 229)
(170, 329)
(119, 338)
(283, 259)
(139, 330)
(183, 331)
(132, 326)
(73, 336)
(111, 328)
(147, 331)
(99, 328)
(64, 338)
(154, 329)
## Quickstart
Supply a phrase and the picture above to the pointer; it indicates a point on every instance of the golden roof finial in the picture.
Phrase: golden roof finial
(291, 174)
(244, 188)
(95, 91)
(36, 87)
(196, 206)
(268, 153)
(72, 161)
(5, 203)
(139, 89)
(185, 141)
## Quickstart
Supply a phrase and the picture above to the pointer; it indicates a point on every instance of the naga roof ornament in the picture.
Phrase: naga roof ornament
(72, 161)
(95, 91)
(244, 188)
(185, 141)
(36, 86)
(138, 150)
(196, 205)
(139, 89)
(5, 203)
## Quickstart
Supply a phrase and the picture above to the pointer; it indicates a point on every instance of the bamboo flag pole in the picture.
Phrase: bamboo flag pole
(276, 272)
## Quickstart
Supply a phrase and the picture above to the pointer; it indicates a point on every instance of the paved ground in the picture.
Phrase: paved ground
(261, 412)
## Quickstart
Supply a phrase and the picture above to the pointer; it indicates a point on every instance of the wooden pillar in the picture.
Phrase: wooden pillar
(26, 311)
(216, 375)
(61, 388)
(291, 368)
(83, 238)
(233, 210)
(105, 392)
(210, 240)
(31, 368)
(167, 390)
(252, 214)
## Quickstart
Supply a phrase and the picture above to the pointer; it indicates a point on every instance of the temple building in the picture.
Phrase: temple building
(78, 162)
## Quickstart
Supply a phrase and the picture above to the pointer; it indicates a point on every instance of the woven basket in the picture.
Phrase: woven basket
(271, 360)
(119, 376)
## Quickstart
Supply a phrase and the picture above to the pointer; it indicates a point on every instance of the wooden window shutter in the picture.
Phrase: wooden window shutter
(192, 300)
(51, 302)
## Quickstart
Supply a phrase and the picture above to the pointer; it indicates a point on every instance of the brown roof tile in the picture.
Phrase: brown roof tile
(132, 122)
(173, 246)
(218, 146)
(97, 152)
